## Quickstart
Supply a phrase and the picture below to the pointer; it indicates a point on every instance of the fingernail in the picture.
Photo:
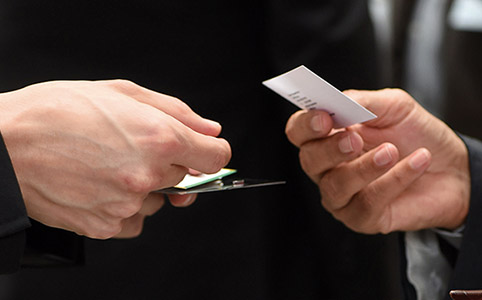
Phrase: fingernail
(214, 123)
(317, 123)
(383, 156)
(194, 172)
(189, 200)
(419, 159)
(345, 145)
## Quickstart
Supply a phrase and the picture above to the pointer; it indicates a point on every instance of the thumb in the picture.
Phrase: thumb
(390, 105)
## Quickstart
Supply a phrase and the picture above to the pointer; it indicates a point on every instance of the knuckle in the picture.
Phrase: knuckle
(397, 93)
(366, 205)
(306, 161)
(181, 107)
(110, 232)
(169, 143)
(357, 223)
(125, 86)
(385, 221)
(398, 177)
(362, 227)
(374, 219)
(364, 215)
(369, 223)
(103, 231)
(294, 125)
(349, 222)
(170, 177)
(153, 128)
(329, 192)
(135, 228)
(290, 132)
(131, 227)
(221, 159)
(225, 153)
(313, 158)
(365, 170)
(127, 209)
(384, 230)
(137, 182)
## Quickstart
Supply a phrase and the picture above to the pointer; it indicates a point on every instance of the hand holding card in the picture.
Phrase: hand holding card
(307, 90)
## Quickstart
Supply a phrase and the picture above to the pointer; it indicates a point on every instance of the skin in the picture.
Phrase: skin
(88, 154)
(405, 170)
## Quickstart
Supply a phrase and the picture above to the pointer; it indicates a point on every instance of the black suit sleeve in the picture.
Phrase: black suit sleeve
(468, 266)
(22, 244)
(467, 262)
(13, 216)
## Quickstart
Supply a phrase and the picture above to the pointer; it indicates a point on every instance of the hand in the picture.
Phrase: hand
(87, 155)
(405, 170)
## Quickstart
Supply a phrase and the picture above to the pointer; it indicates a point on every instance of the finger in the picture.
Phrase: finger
(169, 176)
(131, 227)
(390, 105)
(203, 153)
(182, 112)
(304, 126)
(152, 203)
(375, 210)
(182, 200)
(340, 184)
(179, 148)
(168, 104)
(319, 156)
(194, 172)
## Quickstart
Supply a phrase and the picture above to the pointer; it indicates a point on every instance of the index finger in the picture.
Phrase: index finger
(169, 105)
(390, 105)
(304, 126)
(203, 153)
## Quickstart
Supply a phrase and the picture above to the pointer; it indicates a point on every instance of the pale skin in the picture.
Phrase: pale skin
(405, 170)
(89, 154)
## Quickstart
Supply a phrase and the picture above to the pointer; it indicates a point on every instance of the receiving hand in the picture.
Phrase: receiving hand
(405, 170)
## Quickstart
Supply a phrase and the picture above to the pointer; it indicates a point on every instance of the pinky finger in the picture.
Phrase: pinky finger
(131, 227)
(369, 211)
(152, 204)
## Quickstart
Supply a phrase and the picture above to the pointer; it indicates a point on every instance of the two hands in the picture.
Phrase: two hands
(405, 170)
(87, 155)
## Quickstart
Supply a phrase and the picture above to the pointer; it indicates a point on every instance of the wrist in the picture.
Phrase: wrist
(461, 183)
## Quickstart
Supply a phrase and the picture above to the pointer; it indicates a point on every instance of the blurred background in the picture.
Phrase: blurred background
(431, 49)
(273, 243)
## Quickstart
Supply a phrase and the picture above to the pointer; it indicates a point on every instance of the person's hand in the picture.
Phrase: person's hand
(87, 155)
(405, 170)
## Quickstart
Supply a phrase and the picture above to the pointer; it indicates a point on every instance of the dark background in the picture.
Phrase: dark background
(270, 243)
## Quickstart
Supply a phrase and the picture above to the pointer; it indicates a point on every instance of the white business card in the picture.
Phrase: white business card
(191, 181)
(307, 90)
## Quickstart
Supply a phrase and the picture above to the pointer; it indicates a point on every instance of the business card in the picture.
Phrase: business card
(191, 181)
(308, 91)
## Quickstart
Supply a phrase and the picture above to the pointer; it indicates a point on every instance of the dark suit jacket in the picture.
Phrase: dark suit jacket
(271, 243)
(20, 244)
(467, 261)
(468, 264)
(462, 66)
(13, 216)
